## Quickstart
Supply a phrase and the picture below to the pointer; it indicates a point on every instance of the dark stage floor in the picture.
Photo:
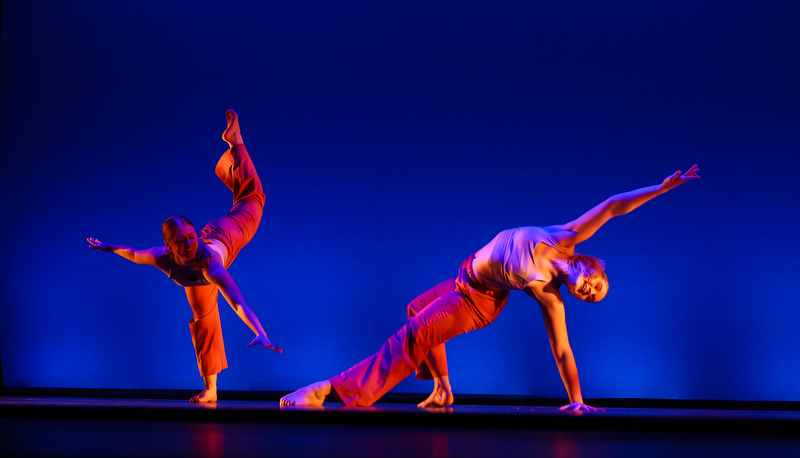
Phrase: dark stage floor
(82, 426)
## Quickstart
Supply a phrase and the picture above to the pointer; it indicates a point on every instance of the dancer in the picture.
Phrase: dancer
(199, 261)
(537, 260)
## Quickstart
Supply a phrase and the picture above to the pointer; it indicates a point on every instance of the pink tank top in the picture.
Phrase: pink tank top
(507, 261)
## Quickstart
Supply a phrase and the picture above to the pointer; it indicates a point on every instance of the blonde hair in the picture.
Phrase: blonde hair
(171, 224)
(589, 266)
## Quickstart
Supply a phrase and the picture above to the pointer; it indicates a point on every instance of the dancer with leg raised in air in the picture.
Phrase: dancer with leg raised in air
(199, 261)
(537, 260)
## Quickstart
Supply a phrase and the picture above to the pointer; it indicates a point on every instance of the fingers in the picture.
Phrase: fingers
(679, 177)
(265, 343)
(269, 345)
(94, 243)
(690, 174)
(579, 407)
(693, 172)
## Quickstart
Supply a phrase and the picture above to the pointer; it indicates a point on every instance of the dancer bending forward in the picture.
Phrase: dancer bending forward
(537, 260)
(199, 261)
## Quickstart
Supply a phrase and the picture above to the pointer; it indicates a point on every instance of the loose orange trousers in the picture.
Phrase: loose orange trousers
(451, 308)
(234, 230)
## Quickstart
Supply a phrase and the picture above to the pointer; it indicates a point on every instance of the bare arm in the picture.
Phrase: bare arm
(219, 276)
(149, 256)
(555, 322)
(588, 223)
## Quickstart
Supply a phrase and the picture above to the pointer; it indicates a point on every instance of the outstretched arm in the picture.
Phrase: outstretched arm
(220, 277)
(149, 256)
(556, 324)
(588, 223)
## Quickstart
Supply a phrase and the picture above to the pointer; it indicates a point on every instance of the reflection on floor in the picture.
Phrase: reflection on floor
(72, 426)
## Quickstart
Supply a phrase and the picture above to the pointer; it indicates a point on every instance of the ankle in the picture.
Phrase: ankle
(442, 382)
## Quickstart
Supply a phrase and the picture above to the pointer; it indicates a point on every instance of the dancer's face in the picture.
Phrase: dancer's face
(184, 241)
(589, 289)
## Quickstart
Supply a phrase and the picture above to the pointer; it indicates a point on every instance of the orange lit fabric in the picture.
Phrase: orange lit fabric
(208, 343)
(234, 230)
(451, 308)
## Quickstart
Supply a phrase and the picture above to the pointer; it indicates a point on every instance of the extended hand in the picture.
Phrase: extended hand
(98, 245)
(264, 341)
(579, 407)
(678, 178)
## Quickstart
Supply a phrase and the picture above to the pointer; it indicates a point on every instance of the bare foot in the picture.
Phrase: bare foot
(207, 395)
(312, 395)
(442, 396)
(232, 134)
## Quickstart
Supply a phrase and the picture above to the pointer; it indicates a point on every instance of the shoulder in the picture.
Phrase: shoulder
(161, 251)
(161, 256)
(557, 232)
(563, 237)
(546, 294)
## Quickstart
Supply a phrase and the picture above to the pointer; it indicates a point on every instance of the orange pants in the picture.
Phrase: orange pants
(451, 308)
(234, 230)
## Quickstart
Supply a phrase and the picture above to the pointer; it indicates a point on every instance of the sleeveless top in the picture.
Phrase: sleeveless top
(186, 281)
(507, 261)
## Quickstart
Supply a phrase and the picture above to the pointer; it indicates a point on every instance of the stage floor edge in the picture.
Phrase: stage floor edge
(88, 426)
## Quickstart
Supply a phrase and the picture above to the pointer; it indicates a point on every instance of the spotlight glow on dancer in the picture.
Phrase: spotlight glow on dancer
(537, 260)
(199, 261)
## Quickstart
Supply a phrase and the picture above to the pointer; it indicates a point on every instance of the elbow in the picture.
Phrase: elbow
(616, 207)
(236, 307)
(562, 352)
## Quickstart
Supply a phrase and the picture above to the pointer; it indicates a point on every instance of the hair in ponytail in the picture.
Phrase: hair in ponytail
(171, 224)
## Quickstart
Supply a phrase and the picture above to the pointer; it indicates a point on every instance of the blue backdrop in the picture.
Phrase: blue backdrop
(394, 139)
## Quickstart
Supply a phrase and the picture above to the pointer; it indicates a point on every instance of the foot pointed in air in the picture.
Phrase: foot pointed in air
(232, 134)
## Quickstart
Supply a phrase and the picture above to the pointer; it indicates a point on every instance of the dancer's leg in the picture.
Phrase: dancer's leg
(209, 394)
(367, 381)
(447, 316)
(435, 364)
(206, 331)
(236, 170)
(444, 318)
